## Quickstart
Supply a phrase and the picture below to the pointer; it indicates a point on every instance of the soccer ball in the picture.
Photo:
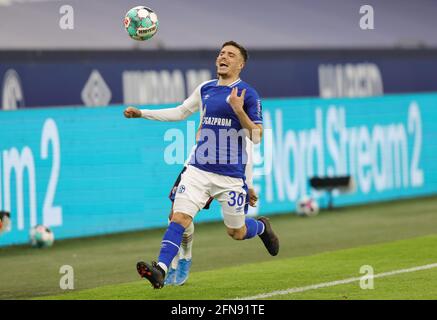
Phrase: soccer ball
(141, 23)
(41, 237)
(307, 206)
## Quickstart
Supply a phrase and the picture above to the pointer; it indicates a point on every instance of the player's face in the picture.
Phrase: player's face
(229, 62)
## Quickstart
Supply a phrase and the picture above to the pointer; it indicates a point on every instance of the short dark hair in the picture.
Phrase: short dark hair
(243, 50)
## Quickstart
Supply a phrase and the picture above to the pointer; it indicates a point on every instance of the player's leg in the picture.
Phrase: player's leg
(252, 227)
(180, 266)
(171, 274)
(187, 243)
(156, 272)
(185, 256)
(170, 244)
(186, 246)
(192, 194)
(185, 252)
(233, 197)
(172, 239)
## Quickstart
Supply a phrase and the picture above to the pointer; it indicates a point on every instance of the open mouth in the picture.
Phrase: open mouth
(223, 64)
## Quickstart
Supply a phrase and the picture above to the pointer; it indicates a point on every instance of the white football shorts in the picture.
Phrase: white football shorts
(197, 186)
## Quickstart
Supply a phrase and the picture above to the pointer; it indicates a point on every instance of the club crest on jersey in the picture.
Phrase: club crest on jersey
(181, 189)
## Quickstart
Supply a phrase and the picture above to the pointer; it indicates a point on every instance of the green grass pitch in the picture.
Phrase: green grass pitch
(318, 250)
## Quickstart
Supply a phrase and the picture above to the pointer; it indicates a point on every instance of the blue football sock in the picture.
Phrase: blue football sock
(170, 243)
(254, 227)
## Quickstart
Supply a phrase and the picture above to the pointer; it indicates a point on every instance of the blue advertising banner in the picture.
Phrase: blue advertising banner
(387, 144)
(89, 171)
(100, 78)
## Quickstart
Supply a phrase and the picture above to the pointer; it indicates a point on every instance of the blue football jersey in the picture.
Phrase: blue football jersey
(221, 147)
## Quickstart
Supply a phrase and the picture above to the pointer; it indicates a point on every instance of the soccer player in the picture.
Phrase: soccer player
(230, 107)
(180, 266)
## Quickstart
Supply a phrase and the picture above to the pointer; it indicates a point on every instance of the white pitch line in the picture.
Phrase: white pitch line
(335, 283)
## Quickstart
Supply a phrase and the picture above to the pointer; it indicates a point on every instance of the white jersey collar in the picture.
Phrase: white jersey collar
(231, 85)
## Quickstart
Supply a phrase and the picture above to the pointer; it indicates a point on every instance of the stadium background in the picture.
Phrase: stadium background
(339, 100)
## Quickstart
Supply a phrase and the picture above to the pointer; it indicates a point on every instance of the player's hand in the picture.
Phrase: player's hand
(237, 102)
(132, 112)
(253, 198)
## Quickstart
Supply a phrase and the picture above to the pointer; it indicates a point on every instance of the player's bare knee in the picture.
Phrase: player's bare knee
(181, 218)
(236, 234)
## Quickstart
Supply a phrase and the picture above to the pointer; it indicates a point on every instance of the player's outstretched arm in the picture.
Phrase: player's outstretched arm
(181, 112)
(169, 114)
